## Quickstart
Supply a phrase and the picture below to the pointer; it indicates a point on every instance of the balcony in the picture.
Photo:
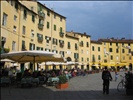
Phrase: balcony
(62, 45)
(40, 26)
(40, 39)
(41, 14)
(61, 34)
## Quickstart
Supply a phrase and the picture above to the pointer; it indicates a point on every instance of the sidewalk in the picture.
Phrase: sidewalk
(80, 88)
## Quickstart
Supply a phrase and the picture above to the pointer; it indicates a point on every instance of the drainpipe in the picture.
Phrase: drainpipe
(19, 28)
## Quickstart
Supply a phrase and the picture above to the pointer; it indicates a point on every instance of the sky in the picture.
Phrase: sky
(99, 19)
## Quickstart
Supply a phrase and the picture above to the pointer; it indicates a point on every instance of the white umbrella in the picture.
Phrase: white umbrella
(6, 60)
(32, 56)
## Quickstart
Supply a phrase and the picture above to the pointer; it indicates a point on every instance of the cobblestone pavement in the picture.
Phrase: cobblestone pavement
(87, 87)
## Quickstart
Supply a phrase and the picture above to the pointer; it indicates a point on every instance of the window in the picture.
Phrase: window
(48, 50)
(93, 48)
(15, 17)
(55, 27)
(4, 22)
(128, 44)
(110, 50)
(104, 43)
(54, 16)
(14, 28)
(93, 58)
(110, 44)
(32, 46)
(75, 55)
(48, 12)
(39, 48)
(111, 57)
(33, 18)
(87, 59)
(25, 14)
(76, 46)
(117, 50)
(61, 19)
(116, 44)
(13, 46)
(32, 8)
(40, 37)
(99, 57)
(62, 53)
(82, 59)
(60, 29)
(23, 30)
(122, 44)
(32, 33)
(47, 39)
(123, 50)
(98, 48)
(69, 45)
(23, 46)
(81, 43)
(16, 6)
(87, 44)
(47, 24)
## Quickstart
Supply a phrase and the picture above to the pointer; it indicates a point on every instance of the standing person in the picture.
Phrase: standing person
(116, 75)
(106, 76)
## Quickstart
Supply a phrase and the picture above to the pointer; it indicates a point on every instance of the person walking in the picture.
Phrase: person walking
(106, 77)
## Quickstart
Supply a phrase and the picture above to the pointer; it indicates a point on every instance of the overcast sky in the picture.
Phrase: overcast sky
(100, 19)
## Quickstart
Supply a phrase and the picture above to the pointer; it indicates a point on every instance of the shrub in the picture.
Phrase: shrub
(62, 79)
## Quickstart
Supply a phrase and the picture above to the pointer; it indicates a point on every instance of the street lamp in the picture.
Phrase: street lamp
(2, 44)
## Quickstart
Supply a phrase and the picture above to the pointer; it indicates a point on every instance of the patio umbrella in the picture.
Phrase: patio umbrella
(32, 56)
(6, 60)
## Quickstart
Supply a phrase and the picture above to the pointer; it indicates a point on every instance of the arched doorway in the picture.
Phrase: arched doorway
(69, 59)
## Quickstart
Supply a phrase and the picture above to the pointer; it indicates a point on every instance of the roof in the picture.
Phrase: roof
(123, 40)
(51, 10)
(26, 7)
(97, 42)
(80, 33)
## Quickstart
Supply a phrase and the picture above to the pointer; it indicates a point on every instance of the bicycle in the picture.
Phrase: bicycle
(121, 84)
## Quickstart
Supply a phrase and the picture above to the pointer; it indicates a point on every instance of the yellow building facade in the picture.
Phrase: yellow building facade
(117, 52)
(96, 54)
(30, 25)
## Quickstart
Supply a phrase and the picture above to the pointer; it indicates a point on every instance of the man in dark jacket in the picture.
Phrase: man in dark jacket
(106, 76)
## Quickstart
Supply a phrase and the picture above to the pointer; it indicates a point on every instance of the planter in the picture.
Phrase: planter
(62, 86)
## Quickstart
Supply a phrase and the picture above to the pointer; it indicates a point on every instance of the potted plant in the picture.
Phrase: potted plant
(62, 82)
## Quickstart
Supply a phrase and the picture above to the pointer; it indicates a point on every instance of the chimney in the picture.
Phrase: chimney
(84, 33)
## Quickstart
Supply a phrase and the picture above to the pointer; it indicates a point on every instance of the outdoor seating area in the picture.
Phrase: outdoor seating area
(33, 79)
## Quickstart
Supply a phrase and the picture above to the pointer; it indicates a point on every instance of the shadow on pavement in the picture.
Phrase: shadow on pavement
(51, 93)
